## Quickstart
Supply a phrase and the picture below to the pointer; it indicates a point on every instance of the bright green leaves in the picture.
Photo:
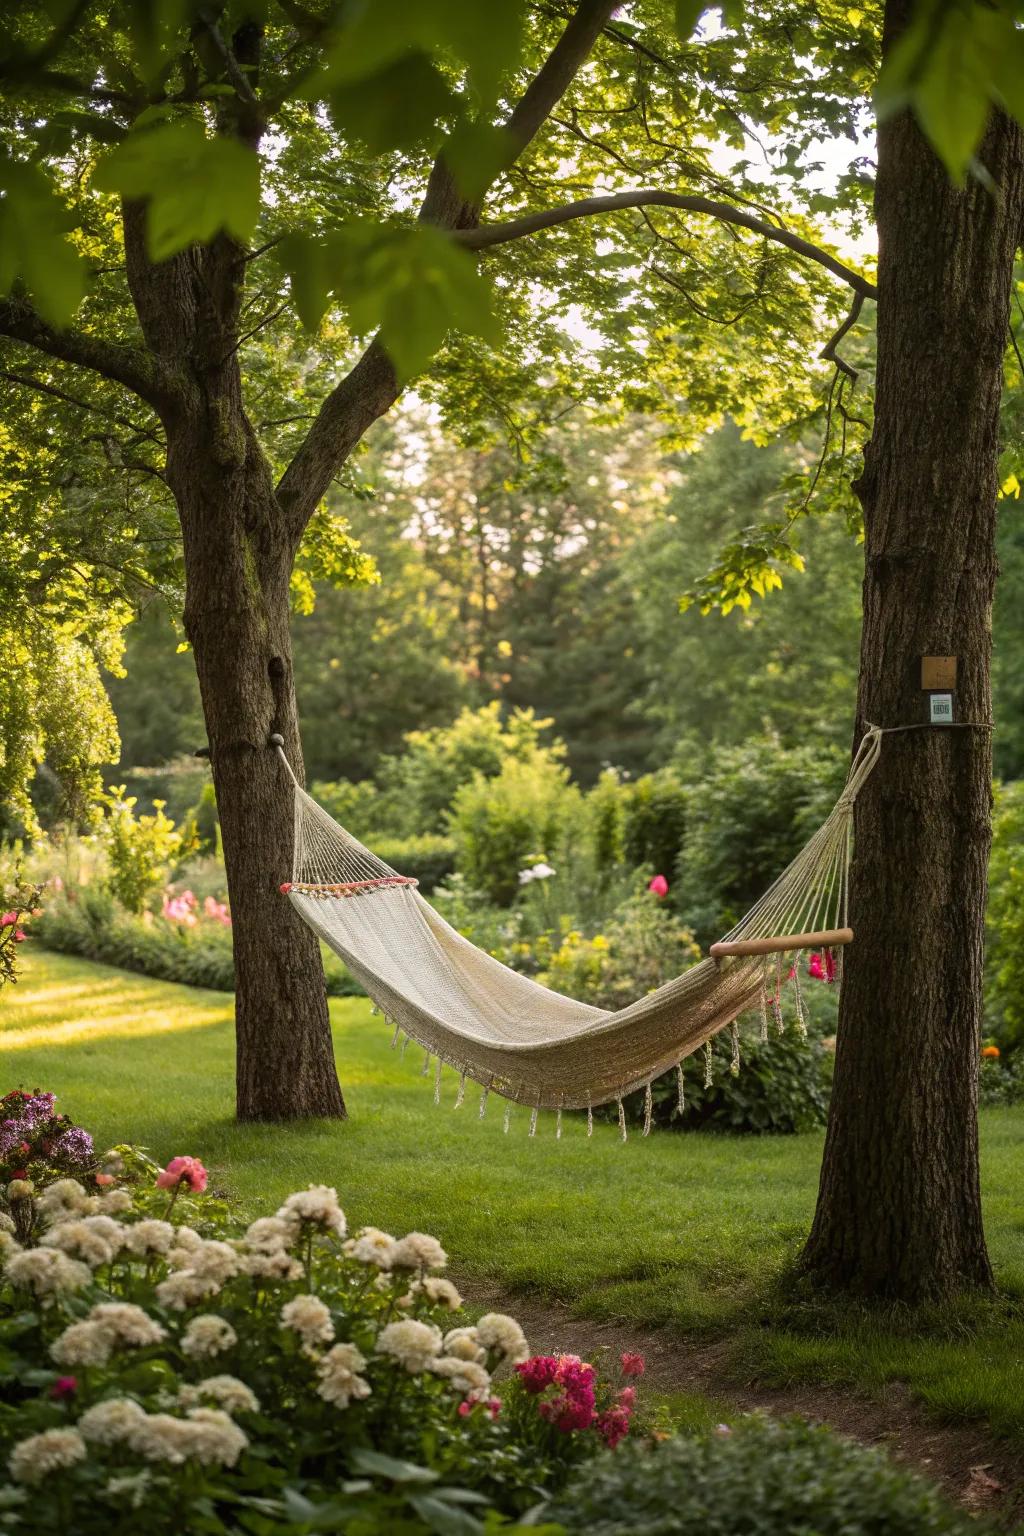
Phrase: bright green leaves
(954, 62)
(413, 284)
(688, 13)
(34, 247)
(386, 81)
(748, 567)
(194, 186)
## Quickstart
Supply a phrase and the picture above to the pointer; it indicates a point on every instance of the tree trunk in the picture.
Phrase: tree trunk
(899, 1211)
(237, 565)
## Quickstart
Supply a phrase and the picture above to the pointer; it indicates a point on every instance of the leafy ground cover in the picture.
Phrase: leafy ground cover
(695, 1232)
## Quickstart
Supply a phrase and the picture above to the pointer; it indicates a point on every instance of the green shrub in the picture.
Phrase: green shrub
(206, 821)
(527, 814)
(606, 823)
(139, 848)
(655, 821)
(1001, 1081)
(357, 806)
(1005, 917)
(759, 1479)
(746, 820)
(430, 858)
(94, 926)
(420, 786)
(641, 946)
(782, 1087)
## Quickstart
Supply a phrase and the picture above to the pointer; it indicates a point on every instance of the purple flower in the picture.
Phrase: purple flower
(73, 1146)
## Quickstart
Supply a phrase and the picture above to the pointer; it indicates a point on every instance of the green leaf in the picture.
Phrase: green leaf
(446, 1519)
(195, 186)
(154, 26)
(394, 108)
(951, 98)
(688, 13)
(476, 153)
(33, 245)
(378, 1465)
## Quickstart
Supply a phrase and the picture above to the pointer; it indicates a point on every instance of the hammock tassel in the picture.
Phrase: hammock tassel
(405, 1047)
(801, 1017)
(558, 1124)
(483, 1103)
(462, 1091)
(508, 1117)
(437, 1082)
(648, 1109)
(533, 1120)
(425, 1072)
(764, 1014)
(780, 1023)
(622, 1120)
(374, 1011)
(734, 1065)
(680, 1089)
(590, 1117)
(394, 1037)
(709, 1076)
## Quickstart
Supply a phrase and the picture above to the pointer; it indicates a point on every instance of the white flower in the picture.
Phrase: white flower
(371, 1246)
(418, 1251)
(6, 1224)
(8, 1244)
(441, 1293)
(135, 1485)
(207, 1335)
(464, 1375)
(270, 1264)
(208, 1435)
(20, 1189)
(317, 1205)
(463, 1344)
(114, 1203)
(411, 1343)
(127, 1323)
(185, 1289)
(88, 1238)
(269, 1233)
(113, 1420)
(82, 1344)
(214, 1261)
(496, 1331)
(146, 1237)
(226, 1391)
(535, 872)
(309, 1318)
(47, 1272)
(64, 1198)
(340, 1381)
(39, 1455)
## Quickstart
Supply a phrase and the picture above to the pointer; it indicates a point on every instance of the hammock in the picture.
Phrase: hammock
(535, 1046)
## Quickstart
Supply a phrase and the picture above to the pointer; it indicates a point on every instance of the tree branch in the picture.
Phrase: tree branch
(485, 236)
(153, 380)
(371, 388)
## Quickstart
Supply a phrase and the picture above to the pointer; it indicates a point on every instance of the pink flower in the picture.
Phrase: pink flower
(659, 885)
(538, 1372)
(493, 1406)
(181, 909)
(569, 1411)
(104, 1179)
(8, 920)
(19, 936)
(627, 1397)
(466, 1408)
(633, 1365)
(830, 966)
(217, 910)
(613, 1425)
(814, 968)
(183, 1170)
(64, 1386)
(723, 1431)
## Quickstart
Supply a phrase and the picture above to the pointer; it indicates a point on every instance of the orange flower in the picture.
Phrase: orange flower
(991, 1052)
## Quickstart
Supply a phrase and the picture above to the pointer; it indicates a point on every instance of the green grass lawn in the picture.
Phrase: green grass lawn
(695, 1232)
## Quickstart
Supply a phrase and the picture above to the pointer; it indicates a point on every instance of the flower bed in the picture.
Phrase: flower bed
(165, 1370)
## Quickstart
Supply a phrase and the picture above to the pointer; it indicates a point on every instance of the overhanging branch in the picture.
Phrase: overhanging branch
(146, 376)
(371, 388)
(485, 236)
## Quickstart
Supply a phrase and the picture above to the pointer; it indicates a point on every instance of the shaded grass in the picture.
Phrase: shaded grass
(694, 1232)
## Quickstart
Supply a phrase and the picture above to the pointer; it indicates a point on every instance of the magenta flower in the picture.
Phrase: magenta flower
(538, 1372)
(814, 968)
(8, 919)
(633, 1365)
(659, 885)
(613, 1425)
(183, 1170)
(64, 1387)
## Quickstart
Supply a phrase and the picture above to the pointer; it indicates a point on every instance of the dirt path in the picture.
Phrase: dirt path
(979, 1471)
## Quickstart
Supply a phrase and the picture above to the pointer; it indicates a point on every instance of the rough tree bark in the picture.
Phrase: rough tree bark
(899, 1212)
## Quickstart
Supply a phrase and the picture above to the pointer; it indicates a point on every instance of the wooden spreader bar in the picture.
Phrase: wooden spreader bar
(827, 938)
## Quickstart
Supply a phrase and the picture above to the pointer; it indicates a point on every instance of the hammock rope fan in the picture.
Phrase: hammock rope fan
(535, 1046)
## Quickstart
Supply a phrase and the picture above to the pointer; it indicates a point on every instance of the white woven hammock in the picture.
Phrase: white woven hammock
(528, 1043)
